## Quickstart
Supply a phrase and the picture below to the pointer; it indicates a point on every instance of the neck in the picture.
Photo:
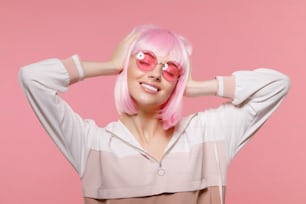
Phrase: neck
(144, 126)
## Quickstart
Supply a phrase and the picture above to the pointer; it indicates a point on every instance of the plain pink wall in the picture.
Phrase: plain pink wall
(226, 36)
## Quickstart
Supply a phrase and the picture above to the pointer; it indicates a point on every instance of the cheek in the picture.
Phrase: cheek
(132, 71)
(132, 76)
(129, 71)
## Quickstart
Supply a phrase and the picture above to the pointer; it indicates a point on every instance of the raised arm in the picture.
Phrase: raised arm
(221, 86)
(41, 83)
(254, 95)
(89, 69)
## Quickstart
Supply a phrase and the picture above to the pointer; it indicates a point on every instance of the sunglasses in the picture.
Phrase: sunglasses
(147, 60)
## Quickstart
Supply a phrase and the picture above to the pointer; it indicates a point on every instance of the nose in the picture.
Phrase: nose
(156, 73)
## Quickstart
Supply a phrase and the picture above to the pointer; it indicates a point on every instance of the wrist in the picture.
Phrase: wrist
(94, 69)
(226, 86)
(74, 68)
(78, 65)
(201, 88)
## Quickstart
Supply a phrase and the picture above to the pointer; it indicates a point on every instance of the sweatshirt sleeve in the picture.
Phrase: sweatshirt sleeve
(255, 96)
(41, 83)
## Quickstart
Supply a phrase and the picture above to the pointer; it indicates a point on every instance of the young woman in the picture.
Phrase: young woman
(152, 154)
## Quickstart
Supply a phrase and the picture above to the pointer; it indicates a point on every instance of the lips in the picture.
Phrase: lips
(149, 87)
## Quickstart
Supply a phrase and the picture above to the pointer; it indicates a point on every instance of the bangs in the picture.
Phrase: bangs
(163, 43)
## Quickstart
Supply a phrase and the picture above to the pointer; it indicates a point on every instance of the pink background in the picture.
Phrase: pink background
(226, 36)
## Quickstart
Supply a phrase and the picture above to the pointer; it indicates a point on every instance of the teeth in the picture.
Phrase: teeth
(152, 88)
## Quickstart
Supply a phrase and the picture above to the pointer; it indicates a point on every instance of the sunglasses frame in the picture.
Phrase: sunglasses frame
(164, 67)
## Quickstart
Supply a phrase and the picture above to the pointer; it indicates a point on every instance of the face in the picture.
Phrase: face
(151, 79)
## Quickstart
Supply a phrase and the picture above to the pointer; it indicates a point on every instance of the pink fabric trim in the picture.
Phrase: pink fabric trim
(229, 87)
(208, 195)
(71, 69)
(108, 176)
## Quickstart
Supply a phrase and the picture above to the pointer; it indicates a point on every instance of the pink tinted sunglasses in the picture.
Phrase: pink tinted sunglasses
(147, 60)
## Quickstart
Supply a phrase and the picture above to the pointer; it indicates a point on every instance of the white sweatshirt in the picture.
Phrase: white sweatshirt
(114, 168)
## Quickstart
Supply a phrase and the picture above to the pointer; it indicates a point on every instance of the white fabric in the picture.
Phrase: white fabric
(78, 65)
(220, 91)
(257, 94)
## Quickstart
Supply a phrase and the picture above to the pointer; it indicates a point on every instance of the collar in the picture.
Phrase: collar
(119, 130)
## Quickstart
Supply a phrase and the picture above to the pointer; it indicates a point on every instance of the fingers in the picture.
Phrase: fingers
(121, 50)
(130, 38)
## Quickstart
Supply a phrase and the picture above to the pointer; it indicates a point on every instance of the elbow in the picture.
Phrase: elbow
(26, 76)
(281, 80)
(284, 84)
(278, 80)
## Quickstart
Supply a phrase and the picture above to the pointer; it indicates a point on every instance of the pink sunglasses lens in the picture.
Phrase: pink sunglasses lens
(171, 72)
(145, 61)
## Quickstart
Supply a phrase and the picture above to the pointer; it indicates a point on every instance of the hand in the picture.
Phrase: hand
(121, 50)
(115, 65)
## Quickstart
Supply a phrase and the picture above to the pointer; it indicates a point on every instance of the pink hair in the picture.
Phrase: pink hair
(161, 42)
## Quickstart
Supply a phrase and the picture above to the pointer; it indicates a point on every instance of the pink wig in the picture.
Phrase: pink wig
(162, 42)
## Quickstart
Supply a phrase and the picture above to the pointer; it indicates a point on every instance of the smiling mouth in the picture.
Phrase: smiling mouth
(149, 87)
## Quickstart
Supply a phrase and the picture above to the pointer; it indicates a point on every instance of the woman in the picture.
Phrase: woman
(152, 154)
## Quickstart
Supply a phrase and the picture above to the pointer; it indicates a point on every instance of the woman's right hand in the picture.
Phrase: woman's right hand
(113, 66)
(121, 50)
